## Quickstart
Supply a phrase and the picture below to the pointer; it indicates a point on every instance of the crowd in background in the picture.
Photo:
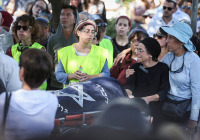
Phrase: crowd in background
(153, 55)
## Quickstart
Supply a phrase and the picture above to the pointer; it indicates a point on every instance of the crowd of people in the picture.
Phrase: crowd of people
(153, 58)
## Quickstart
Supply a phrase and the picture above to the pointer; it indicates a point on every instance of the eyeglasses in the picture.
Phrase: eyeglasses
(186, 7)
(87, 32)
(25, 28)
(140, 50)
(180, 69)
(160, 36)
(168, 8)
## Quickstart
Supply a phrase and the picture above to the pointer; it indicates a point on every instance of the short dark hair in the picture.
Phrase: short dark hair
(72, 7)
(172, 2)
(37, 66)
(30, 20)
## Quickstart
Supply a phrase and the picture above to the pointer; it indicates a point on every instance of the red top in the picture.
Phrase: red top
(119, 71)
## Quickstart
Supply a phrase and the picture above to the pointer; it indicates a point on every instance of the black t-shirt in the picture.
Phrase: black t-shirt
(118, 47)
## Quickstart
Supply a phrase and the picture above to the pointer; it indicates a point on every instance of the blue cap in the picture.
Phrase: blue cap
(137, 29)
(98, 17)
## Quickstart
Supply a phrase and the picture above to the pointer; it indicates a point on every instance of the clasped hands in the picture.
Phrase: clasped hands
(81, 76)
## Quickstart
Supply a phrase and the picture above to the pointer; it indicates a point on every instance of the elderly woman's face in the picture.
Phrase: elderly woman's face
(173, 44)
(23, 31)
(142, 54)
(38, 6)
(86, 34)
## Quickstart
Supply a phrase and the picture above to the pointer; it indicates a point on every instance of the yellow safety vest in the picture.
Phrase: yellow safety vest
(91, 64)
(16, 54)
(107, 44)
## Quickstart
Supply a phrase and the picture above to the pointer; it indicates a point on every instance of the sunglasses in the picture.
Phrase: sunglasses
(160, 36)
(168, 8)
(186, 7)
(178, 70)
(25, 28)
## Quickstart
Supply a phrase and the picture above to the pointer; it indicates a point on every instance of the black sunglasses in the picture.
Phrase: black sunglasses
(160, 36)
(25, 28)
(168, 8)
(180, 69)
(186, 7)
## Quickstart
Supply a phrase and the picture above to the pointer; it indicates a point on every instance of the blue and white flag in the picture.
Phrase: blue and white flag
(88, 96)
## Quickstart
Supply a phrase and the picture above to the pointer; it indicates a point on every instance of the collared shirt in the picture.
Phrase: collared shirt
(156, 23)
(180, 15)
(186, 84)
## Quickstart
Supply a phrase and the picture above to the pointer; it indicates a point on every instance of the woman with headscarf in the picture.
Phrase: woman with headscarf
(150, 80)
(82, 61)
(184, 67)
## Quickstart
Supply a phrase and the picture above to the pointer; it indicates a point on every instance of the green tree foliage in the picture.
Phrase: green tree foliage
(111, 28)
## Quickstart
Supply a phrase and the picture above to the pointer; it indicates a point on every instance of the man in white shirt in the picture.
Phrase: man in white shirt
(169, 8)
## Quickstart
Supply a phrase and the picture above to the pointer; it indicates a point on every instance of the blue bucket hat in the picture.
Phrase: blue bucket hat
(183, 32)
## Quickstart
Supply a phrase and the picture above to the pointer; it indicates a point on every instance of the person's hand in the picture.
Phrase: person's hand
(119, 57)
(129, 72)
(85, 77)
(191, 126)
(129, 92)
(77, 75)
(146, 99)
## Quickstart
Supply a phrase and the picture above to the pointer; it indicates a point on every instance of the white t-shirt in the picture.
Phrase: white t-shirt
(31, 114)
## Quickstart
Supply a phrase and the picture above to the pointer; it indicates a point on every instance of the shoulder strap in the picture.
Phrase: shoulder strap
(6, 107)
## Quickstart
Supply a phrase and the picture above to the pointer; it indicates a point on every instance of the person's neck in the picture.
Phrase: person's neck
(68, 31)
(164, 51)
(167, 19)
(25, 86)
(133, 55)
(122, 40)
(83, 47)
(121, 37)
(149, 64)
(180, 51)
(26, 42)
